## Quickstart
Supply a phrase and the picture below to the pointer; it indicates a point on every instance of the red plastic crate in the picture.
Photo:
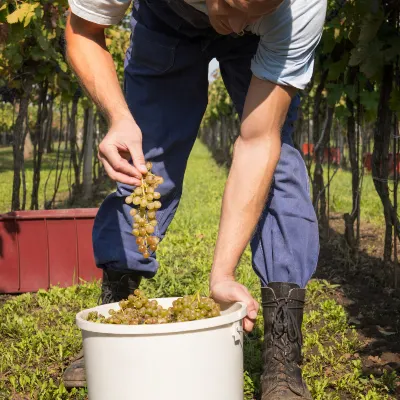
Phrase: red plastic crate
(43, 248)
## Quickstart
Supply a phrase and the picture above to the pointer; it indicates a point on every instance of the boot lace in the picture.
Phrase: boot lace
(110, 291)
(285, 335)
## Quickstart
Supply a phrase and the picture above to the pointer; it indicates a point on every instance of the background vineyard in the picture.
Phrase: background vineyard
(348, 133)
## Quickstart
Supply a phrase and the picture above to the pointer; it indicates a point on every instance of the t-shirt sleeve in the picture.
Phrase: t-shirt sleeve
(102, 12)
(289, 37)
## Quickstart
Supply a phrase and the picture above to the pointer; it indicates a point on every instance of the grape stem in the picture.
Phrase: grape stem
(143, 187)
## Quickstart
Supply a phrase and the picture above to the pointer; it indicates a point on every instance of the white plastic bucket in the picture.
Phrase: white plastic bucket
(196, 360)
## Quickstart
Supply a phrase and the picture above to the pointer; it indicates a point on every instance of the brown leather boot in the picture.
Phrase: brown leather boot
(116, 286)
(283, 305)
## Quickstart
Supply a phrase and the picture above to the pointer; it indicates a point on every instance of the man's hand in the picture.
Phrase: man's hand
(227, 16)
(122, 142)
(226, 290)
(225, 19)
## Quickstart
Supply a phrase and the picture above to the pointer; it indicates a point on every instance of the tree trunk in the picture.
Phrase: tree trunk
(39, 140)
(349, 219)
(23, 168)
(73, 143)
(319, 172)
(318, 181)
(58, 170)
(49, 130)
(4, 132)
(102, 132)
(319, 198)
(88, 154)
(95, 139)
(380, 156)
(18, 145)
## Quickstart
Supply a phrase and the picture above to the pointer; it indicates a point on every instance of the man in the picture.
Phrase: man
(265, 49)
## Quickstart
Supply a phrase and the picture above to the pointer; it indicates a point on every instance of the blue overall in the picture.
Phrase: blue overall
(166, 81)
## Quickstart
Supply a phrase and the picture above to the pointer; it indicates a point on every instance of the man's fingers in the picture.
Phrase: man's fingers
(229, 291)
(250, 320)
(118, 176)
(237, 24)
(110, 153)
(248, 324)
(252, 309)
(137, 157)
(242, 294)
(220, 26)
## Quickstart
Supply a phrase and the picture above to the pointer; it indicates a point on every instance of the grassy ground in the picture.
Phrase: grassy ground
(38, 334)
(341, 197)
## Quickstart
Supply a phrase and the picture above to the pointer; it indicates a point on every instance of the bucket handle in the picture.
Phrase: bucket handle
(237, 334)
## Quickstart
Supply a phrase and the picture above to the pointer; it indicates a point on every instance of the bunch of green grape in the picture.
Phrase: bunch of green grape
(144, 216)
(194, 307)
(137, 309)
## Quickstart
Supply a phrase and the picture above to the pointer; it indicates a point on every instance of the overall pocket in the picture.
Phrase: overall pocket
(152, 50)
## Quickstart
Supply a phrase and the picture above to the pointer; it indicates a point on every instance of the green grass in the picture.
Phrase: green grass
(341, 197)
(38, 334)
(7, 173)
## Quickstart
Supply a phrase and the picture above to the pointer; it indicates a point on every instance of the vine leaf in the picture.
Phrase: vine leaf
(339, 67)
(358, 55)
(335, 92)
(43, 43)
(369, 100)
(26, 10)
(370, 26)
(369, 57)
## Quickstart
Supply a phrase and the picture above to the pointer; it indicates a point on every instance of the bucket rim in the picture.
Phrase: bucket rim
(233, 313)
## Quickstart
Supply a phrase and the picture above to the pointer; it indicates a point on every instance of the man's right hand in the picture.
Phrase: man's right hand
(225, 19)
(122, 142)
(227, 16)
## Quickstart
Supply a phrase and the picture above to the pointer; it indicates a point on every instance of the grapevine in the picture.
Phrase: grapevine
(137, 309)
(146, 199)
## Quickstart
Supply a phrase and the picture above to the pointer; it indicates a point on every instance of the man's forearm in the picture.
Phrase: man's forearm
(256, 155)
(88, 57)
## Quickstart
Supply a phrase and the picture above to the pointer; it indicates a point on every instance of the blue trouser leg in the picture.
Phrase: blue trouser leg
(285, 244)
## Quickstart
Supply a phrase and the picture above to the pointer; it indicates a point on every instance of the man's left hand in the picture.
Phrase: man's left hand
(227, 290)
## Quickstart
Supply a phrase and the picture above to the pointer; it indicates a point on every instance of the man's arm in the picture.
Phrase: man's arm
(256, 154)
(88, 56)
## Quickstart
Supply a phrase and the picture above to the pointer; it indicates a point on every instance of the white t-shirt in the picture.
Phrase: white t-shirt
(289, 35)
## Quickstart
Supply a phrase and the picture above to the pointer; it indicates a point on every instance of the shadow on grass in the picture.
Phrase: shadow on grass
(373, 307)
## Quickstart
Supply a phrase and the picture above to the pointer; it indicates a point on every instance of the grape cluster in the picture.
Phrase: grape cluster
(137, 309)
(144, 216)
(194, 307)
